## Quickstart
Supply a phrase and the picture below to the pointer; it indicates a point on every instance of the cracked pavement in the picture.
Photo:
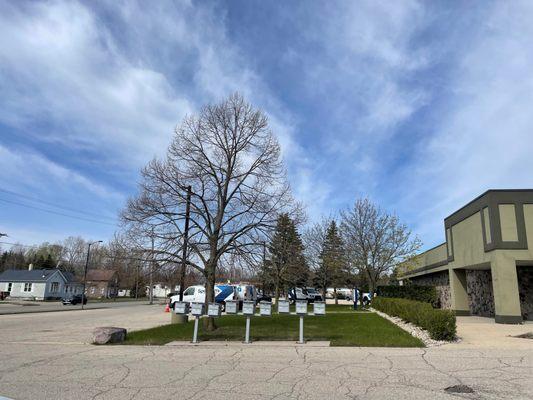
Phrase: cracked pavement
(38, 366)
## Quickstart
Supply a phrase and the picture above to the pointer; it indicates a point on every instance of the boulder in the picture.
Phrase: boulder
(110, 334)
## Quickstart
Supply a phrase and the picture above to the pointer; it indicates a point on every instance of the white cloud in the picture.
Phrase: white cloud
(30, 171)
(483, 136)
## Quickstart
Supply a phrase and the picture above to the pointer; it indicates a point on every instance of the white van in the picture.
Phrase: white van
(196, 294)
(246, 293)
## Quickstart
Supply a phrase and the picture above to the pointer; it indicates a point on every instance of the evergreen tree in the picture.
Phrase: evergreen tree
(287, 266)
(332, 269)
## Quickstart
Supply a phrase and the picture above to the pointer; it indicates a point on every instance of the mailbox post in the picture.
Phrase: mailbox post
(248, 309)
(197, 309)
(301, 310)
(283, 307)
(265, 309)
(232, 306)
(319, 308)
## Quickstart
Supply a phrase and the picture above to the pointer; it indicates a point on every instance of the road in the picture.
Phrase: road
(45, 356)
(19, 307)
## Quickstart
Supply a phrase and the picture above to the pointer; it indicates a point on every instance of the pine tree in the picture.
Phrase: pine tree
(332, 269)
(287, 266)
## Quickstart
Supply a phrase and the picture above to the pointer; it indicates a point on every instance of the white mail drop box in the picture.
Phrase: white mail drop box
(248, 308)
(265, 308)
(181, 307)
(213, 310)
(197, 309)
(283, 306)
(301, 307)
(232, 306)
(319, 308)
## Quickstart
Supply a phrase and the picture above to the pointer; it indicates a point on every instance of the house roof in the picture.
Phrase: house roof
(104, 275)
(34, 275)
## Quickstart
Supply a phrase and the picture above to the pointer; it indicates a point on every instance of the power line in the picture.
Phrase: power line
(61, 207)
(57, 213)
(18, 244)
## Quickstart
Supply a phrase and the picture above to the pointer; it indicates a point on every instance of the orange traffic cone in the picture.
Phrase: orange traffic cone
(167, 308)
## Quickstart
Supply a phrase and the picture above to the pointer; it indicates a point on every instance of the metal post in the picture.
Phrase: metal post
(195, 334)
(301, 341)
(152, 270)
(85, 275)
(247, 335)
(185, 242)
(83, 296)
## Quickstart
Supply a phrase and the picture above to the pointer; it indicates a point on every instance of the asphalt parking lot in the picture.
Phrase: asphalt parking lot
(47, 356)
(19, 307)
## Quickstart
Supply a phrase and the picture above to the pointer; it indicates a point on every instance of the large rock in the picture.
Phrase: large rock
(105, 335)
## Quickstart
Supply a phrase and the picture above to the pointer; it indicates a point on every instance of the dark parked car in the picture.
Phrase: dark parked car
(76, 299)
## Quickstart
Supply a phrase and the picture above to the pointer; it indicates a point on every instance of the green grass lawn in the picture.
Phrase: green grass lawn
(341, 328)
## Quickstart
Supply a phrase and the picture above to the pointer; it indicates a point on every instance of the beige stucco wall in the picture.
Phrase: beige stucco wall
(468, 248)
(508, 222)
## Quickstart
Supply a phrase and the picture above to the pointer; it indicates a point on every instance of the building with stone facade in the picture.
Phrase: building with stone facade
(485, 267)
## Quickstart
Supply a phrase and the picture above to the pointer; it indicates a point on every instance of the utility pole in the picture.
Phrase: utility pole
(152, 269)
(85, 272)
(264, 267)
(185, 242)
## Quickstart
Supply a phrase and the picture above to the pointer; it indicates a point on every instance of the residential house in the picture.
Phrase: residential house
(39, 284)
(101, 283)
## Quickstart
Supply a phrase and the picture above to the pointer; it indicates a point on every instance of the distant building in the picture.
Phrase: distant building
(162, 290)
(39, 284)
(485, 267)
(101, 283)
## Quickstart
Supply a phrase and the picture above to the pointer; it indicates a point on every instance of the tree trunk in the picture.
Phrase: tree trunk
(209, 322)
(335, 294)
(276, 291)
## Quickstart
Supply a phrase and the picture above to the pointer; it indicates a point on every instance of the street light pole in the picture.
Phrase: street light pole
(185, 242)
(85, 271)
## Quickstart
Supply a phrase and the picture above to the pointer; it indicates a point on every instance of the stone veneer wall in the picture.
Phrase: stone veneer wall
(441, 281)
(480, 294)
(525, 290)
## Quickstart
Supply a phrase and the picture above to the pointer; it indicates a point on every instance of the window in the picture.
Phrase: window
(102, 290)
(28, 287)
(92, 290)
(189, 292)
(55, 287)
(9, 286)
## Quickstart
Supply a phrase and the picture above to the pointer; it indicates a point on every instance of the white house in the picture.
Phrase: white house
(39, 284)
(162, 290)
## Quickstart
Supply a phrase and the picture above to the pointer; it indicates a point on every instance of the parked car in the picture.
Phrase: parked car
(263, 297)
(313, 295)
(76, 299)
(297, 293)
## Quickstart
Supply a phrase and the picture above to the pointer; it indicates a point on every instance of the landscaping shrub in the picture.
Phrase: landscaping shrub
(439, 323)
(426, 294)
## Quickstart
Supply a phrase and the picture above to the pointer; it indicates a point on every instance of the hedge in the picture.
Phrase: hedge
(426, 294)
(440, 324)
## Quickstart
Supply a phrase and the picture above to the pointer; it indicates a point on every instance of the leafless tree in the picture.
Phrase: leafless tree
(74, 250)
(376, 241)
(232, 161)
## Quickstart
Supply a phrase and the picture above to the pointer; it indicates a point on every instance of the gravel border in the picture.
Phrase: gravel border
(413, 330)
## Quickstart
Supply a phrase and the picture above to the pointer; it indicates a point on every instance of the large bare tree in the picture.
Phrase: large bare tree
(232, 161)
(376, 241)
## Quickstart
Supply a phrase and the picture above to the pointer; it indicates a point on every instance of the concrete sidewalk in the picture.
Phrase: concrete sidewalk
(480, 332)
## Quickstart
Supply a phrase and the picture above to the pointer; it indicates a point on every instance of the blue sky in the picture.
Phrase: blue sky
(421, 106)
